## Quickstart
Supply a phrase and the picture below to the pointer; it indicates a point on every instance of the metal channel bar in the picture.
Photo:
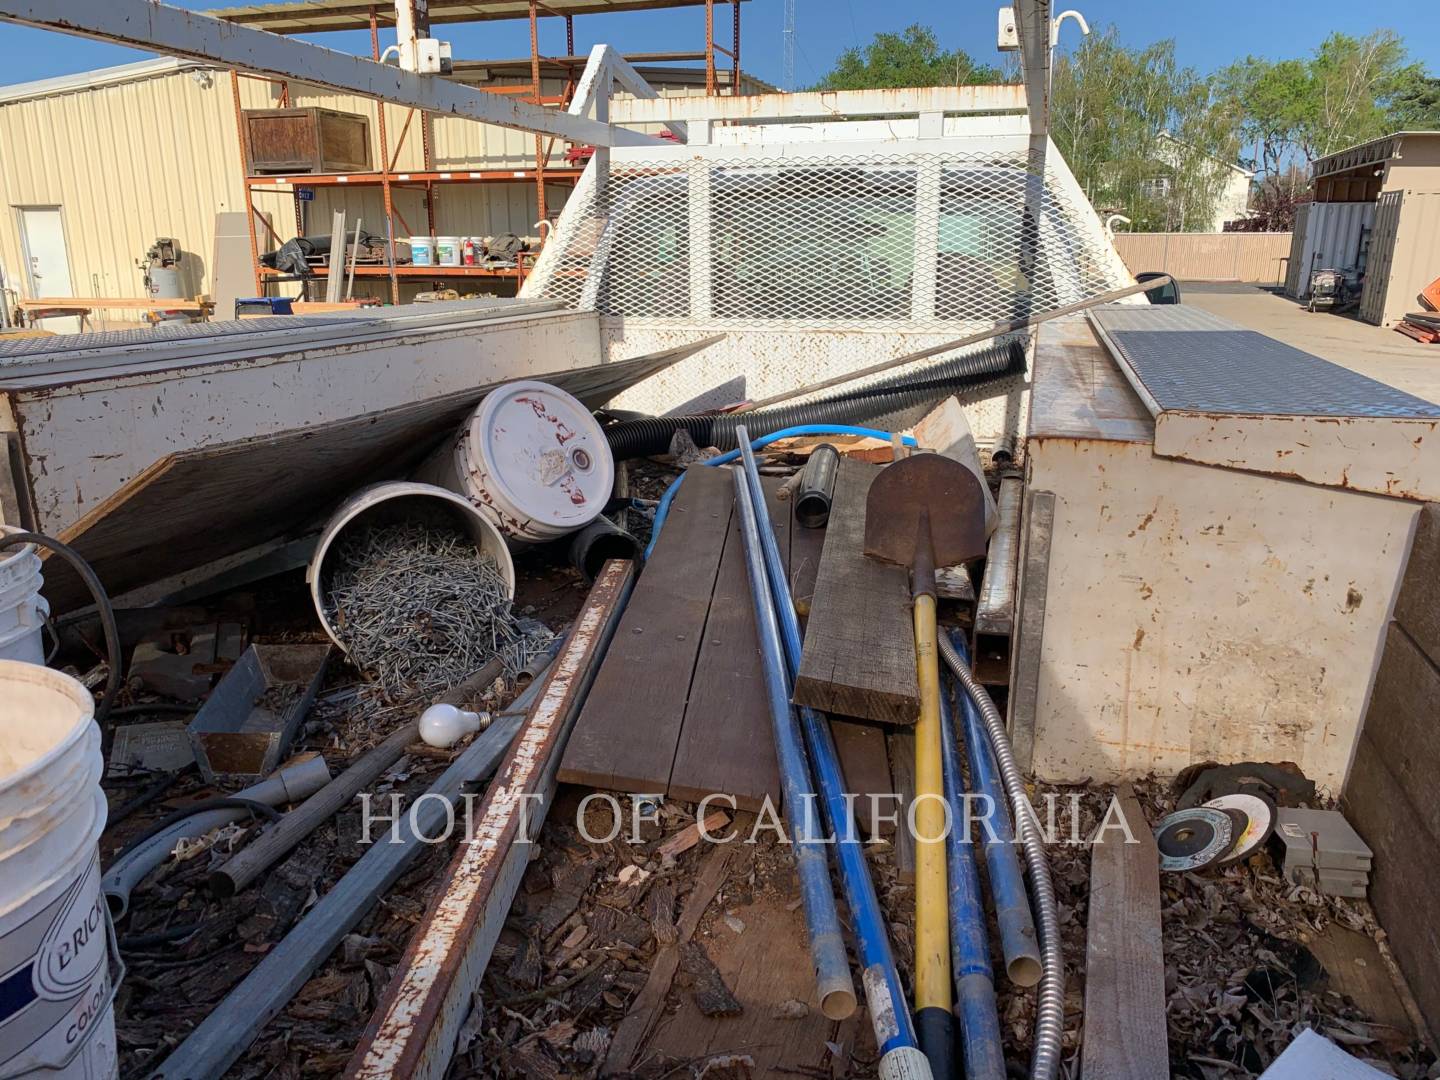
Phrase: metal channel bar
(412, 1032)
(995, 611)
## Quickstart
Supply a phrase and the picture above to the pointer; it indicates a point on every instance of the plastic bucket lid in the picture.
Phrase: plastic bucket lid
(537, 459)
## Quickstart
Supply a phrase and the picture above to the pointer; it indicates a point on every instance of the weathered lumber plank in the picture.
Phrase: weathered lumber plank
(726, 744)
(902, 773)
(628, 731)
(1417, 605)
(859, 657)
(1125, 1033)
(866, 767)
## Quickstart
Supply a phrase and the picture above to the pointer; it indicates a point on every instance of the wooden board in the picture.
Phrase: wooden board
(866, 767)
(1125, 1032)
(726, 740)
(628, 732)
(190, 509)
(1402, 888)
(902, 774)
(1355, 968)
(1417, 605)
(766, 964)
(859, 655)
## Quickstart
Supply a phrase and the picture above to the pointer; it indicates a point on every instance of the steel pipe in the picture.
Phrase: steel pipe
(975, 1008)
(1018, 942)
(817, 487)
(1050, 1008)
(827, 947)
(884, 996)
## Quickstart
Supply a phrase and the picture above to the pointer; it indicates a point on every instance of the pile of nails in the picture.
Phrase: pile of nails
(418, 608)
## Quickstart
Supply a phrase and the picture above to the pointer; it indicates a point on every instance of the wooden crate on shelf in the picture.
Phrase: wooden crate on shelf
(306, 141)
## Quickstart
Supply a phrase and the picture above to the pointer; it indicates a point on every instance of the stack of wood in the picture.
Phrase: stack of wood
(1424, 326)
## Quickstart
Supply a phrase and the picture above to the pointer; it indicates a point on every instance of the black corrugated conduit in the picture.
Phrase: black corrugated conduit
(651, 435)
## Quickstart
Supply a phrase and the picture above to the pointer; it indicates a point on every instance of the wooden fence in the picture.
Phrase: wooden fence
(1250, 257)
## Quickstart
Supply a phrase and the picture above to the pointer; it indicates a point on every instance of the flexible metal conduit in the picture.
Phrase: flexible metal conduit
(900, 1058)
(1050, 1010)
(651, 435)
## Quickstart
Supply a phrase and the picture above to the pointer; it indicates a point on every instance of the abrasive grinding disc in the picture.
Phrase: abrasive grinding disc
(1258, 813)
(1193, 839)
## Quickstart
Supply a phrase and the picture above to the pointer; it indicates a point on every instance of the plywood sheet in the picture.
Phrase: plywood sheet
(191, 508)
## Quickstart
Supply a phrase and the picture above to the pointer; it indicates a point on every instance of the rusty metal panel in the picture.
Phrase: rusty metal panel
(1373, 300)
(1414, 262)
(412, 1032)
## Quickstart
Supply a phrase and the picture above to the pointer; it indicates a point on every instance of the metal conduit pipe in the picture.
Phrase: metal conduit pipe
(980, 1044)
(900, 1056)
(651, 435)
(1050, 1007)
(827, 946)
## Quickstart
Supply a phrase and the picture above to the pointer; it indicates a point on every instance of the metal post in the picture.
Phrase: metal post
(709, 46)
(735, 53)
(535, 86)
(385, 172)
(245, 183)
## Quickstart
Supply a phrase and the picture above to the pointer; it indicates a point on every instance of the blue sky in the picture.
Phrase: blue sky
(1208, 34)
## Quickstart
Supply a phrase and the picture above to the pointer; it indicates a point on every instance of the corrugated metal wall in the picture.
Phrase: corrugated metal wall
(1405, 255)
(1333, 235)
(159, 156)
(1251, 257)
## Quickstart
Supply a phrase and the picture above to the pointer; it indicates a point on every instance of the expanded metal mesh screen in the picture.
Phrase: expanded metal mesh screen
(910, 242)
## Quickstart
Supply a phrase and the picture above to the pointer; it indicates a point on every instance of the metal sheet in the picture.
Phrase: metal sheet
(1187, 359)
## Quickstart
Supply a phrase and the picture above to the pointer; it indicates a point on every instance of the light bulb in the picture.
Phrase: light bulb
(445, 725)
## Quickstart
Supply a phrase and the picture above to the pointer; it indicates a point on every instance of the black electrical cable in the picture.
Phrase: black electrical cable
(102, 604)
(226, 802)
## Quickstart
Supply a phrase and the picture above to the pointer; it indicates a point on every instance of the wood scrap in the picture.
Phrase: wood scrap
(712, 996)
(1125, 1029)
(902, 771)
(646, 1007)
(859, 657)
(689, 836)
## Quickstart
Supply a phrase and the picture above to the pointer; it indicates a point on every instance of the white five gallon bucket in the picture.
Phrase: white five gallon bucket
(22, 608)
(447, 250)
(532, 458)
(422, 251)
(56, 993)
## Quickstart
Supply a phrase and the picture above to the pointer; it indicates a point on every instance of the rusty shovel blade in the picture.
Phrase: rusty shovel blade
(923, 486)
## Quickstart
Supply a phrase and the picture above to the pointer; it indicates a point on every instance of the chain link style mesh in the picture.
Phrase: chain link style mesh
(910, 242)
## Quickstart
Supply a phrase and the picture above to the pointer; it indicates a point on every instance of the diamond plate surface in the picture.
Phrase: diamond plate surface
(1198, 362)
(28, 348)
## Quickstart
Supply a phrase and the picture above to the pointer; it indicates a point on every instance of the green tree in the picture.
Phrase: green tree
(1351, 90)
(912, 57)
(1144, 136)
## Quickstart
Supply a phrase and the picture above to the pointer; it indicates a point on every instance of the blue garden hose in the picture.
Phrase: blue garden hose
(663, 509)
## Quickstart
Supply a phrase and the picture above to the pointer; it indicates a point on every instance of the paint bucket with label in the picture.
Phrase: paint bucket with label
(422, 251)
(532, 458)
(56, 942)
(447, 250)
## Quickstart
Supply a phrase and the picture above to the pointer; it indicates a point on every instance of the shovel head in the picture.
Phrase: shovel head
(925, 487)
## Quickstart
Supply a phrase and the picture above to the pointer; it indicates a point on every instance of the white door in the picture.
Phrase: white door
(47, 269)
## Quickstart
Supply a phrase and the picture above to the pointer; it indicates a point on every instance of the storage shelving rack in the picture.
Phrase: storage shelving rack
(326, 15)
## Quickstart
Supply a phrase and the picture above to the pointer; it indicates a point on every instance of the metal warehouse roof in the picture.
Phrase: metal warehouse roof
(310, 16)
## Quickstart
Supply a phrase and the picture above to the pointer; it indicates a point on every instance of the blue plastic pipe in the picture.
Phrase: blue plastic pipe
(1018, 940)
(663, 509)
(827, 947)
(884, 996)
(975, 1007)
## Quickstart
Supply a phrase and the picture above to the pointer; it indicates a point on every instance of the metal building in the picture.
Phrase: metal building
(1376, 212)
(98, 165)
